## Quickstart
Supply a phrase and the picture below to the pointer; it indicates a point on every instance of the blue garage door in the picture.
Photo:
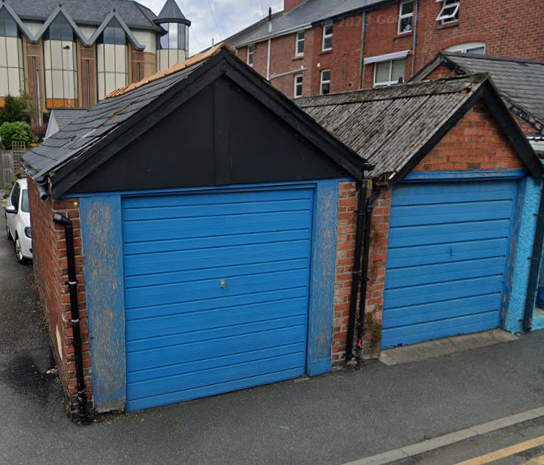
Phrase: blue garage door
(217, 290)
(448, 251)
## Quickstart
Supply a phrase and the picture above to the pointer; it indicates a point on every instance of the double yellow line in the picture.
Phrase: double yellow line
(508, 452)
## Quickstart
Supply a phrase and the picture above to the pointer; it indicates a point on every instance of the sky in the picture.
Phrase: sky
(229, 16)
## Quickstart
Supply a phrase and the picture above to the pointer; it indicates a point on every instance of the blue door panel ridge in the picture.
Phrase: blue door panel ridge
(449, 248)
(216, 292)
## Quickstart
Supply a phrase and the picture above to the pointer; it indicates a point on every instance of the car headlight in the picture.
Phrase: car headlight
(28, 233)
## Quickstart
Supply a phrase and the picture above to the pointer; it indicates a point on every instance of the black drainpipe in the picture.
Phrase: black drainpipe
(364, 277)
(74, 307)
(536, 259)
(356, 270)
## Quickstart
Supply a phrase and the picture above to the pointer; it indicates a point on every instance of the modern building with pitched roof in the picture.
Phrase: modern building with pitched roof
(456, 190)
(71, 54)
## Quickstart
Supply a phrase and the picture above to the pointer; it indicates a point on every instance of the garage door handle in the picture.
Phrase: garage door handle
(224, 284)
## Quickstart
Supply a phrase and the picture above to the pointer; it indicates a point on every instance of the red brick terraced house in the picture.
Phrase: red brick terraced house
(316, 47)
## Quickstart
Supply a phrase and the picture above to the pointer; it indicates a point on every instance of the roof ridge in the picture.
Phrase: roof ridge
(478, 78)
(491, 58)
(192, 61)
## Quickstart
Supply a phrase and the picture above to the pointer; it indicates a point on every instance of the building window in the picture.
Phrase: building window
(299, 85)
(388, 73)
(327, 37)
(251, 55)
(60, 29)
(325, 82)
(406, 16)
(173, 45)
(11, 56)
(112, 59)
(299, 47)
(449, 12)
(61, 83)
(175, 37)
(476, 48)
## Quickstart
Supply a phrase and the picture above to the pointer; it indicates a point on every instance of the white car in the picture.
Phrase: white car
(18, 221)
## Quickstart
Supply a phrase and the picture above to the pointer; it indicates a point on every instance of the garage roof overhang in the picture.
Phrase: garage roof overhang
(490, 96)
(60, 162)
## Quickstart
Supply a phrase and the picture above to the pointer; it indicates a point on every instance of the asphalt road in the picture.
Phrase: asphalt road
(498, 443)
(330, 420)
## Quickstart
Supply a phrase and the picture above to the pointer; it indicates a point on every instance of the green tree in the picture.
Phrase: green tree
(17, 109)
(18, 131)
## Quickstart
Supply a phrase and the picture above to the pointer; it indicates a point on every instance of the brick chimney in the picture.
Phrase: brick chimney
(290, 4)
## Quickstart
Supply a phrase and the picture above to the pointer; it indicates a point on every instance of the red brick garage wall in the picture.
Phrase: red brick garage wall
(475, 143)
(51, 274)
(345, 251)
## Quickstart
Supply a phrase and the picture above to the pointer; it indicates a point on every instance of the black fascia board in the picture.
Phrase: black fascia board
(223, 63)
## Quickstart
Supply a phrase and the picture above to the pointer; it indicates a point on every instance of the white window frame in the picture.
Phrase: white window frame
(467, 47)
(297, 84)
(300, 37)
(250, 55)
(391, 82)
(453, 16)
(327, 36)
(325, 81)
(405, 16)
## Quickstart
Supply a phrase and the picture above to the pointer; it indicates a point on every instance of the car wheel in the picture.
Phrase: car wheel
(7, 231)
(19, 251)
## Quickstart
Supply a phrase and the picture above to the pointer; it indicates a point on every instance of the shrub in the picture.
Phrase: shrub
(39, 131)
(16, 132)
(17, 109)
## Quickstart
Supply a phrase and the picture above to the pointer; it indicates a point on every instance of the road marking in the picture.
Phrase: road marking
(450, 439)
(535, 461)
(506, 452)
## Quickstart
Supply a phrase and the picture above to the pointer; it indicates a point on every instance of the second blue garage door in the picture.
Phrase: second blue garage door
(448, 253)
(217, 290)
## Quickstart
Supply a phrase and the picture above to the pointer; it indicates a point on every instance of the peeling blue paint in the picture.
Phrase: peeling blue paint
(102, 235)
(530, 196)
(322, 278)
(103, 254)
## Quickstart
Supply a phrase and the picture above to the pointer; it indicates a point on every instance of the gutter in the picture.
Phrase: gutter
(288, 73)
(414, 45)
(366, 255)
(356, 273)
(74, 308)
(286, 32)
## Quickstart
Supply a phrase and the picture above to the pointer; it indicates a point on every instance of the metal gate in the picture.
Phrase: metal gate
(7, 169)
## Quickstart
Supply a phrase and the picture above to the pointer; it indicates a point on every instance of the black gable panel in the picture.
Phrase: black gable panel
(176, 152)
(219, 137)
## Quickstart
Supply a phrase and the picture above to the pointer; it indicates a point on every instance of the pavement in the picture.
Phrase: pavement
(329, 420)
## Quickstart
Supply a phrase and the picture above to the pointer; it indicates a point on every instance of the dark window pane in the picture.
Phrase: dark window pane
(300, 43)
(182, 36)
(8, 26)
(164, 38)
(24, 202)
(327, 37)
(114, 34)
(60, 29)
(407, 8)
(406, 24)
